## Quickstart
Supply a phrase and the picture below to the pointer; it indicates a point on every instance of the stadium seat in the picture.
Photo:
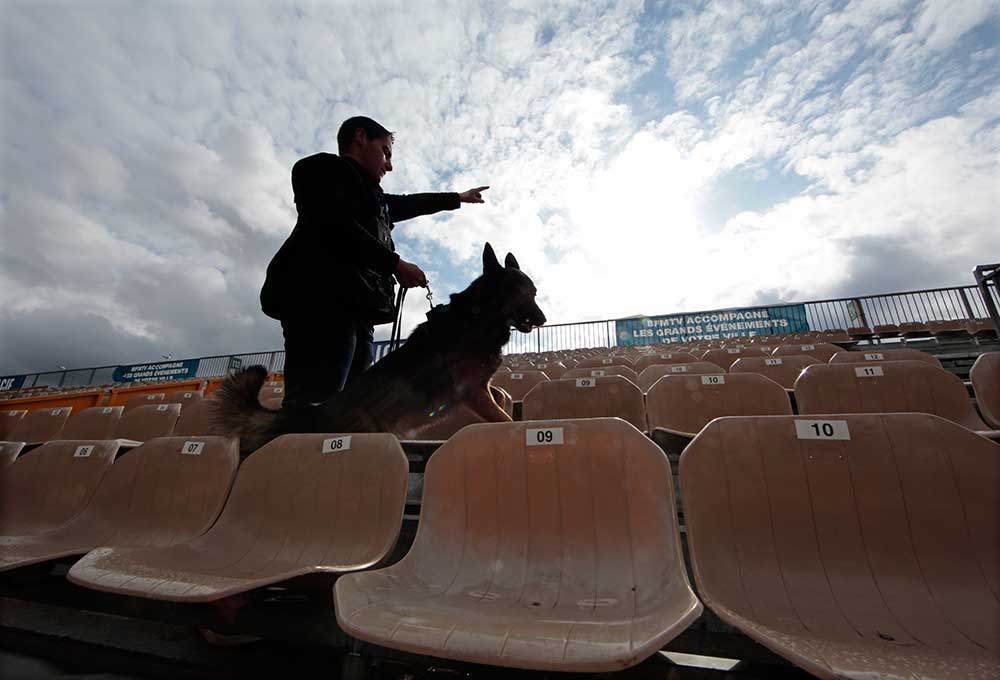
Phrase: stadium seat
(166, 491)
(878, 355)
(9, 451)
(678, 407)
(98, 422)
(553, 369)
(985, 376)
(46, 489)
(782, 369)
(981, 329)
(887, 387)
(40, 426)
(183, 398)
(604, 362)
(649, 376)
(953, 329)
(855, 546)
(819, 350)
(143, 400)
(8, 419)
(910, 330)
(586, 397)
(273, 404)
(518, 383)
(271, 390)
(602, 372)
(860, 333)
(301, 504)
(196, 420)
(886, 330)
(547, 545)
(834, 335)
(147, 422)
(726, 357)
(664, 359)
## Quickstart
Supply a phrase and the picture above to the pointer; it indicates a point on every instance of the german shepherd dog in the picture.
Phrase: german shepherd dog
(446, 364)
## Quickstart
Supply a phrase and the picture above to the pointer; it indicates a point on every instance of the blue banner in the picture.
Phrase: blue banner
(168, 370)
(11, 382)
(732, 323)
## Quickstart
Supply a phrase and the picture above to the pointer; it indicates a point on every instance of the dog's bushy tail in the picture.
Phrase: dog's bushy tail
(238, 411)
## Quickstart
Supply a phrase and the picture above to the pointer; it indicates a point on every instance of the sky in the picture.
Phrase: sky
(643, 157)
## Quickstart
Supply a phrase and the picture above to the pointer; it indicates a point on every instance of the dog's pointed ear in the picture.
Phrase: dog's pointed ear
(490, 261)
(511, 262)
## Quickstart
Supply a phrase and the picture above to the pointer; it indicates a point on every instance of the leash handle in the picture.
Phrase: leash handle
(397, 325)
(430, 296)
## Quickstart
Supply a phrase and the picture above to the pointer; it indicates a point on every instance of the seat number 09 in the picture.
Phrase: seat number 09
(546, 436)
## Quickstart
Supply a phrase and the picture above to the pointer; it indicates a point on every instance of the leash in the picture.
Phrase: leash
(397, 326)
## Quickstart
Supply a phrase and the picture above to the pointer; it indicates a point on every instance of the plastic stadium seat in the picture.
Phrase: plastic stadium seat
(859, 546)
(98, 422)
(546, 545)
(40, 426)
(183, 398)
(164, 492)
(664, 359)
(9, 419)
(273, 404)
(889, 387)
(301, 504)
(819, 350)
(914, 329)
(981, 329)
(985, 376)
(553, 369)
(611, 396)
(148, 422)
(783, 370)
(878, 355)
(143, 400)
(518, 383)
(271, 390)
(834, 335)
(956, 328)
(196, 420)
(49, 487)
(603, 372)
(678, 407)
(886, 330)
(9, 451)
(860, 333)
(726, 357)
(649, 376)
(604, 362)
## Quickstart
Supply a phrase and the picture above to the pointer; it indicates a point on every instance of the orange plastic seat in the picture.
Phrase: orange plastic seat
(166, 491)
(603, 372)
(518, 383)
(664, 359)
(40, 426)
(914, 329)
(818, 350)
(9, 451)
(650, 375)
(981, 329)
(949, 329)
(553, 369)
(52, 485)
(185, 399)
(271, 390)
(301, 504)
(678, 407)
(546, 545)
(143, 400)
(783, 370)
(97, 422)
(879, 355)
(8, 420)
(196, 419)
(855, 546)
(985, 376)
(604, 362)
(610, 396)
(887, 387)
(886, 330)
(148, 422)
(728, 356)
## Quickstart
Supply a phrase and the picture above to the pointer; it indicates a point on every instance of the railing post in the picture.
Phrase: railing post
(862, 317)
(984, 273)
(965, 302)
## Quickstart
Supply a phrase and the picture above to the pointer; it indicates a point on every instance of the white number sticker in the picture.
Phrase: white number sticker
(773, 362)
(83, 451)
(597, 373)
(336, 444)
(666, 356)
(187, 395)
(543, 436)
(150, 397)
(607, 362)
(161, 407)
(57, 411)
(877, 356)
(822, 429)
(733, 351)
(517, 376)
(193, 448)
(17, 413)
(678, 369)
(586, 382)
(713, 380)
(807, 347)
(107, 409)
(278, 390)
(541, 367)
(869, 371)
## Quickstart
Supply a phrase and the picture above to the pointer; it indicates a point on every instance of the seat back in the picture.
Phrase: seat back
(610, 396)
(850, 530)
(553, 369)
(9, 419)
(197, 419)
(650, 375)
(602, 372)
(148, 422)
(41, 425)
(183, 398)
(143, 400)
(604, 362)
(783, 369)
(725, 357)
(97, 422)
(885, 387)
(319, 499)
(878, 355)
(52, 485)
(271, 390)
(985, 376)
(664, 359)
(818, 350)
(518, 383)
(686, 403)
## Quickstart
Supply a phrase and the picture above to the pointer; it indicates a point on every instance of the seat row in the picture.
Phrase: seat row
(554, 545)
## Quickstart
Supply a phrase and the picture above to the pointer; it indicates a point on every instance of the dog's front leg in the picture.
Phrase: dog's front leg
(481, 401)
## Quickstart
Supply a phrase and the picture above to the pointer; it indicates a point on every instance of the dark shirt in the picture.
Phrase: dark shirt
(340, 256)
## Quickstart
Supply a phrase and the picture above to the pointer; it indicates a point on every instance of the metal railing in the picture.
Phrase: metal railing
(980, 301)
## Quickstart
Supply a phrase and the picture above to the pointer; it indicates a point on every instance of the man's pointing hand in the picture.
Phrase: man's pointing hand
(473, 195)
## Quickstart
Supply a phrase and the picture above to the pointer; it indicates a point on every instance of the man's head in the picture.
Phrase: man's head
(368, 143)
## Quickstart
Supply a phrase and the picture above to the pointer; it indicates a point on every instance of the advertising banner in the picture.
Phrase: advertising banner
(731, 323)
(11, 382)
(168, 370)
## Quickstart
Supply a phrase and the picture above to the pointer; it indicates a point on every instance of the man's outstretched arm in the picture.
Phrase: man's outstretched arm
(407, 206)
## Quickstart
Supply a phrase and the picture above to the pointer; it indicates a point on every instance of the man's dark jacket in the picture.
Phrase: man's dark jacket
(340, 257)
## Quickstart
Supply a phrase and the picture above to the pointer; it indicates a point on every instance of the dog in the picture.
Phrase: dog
(443, 368)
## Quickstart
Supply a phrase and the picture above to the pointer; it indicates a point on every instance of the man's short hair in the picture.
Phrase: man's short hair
(372, 129)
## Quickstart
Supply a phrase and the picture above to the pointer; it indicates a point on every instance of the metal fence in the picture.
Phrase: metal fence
(980, 301)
